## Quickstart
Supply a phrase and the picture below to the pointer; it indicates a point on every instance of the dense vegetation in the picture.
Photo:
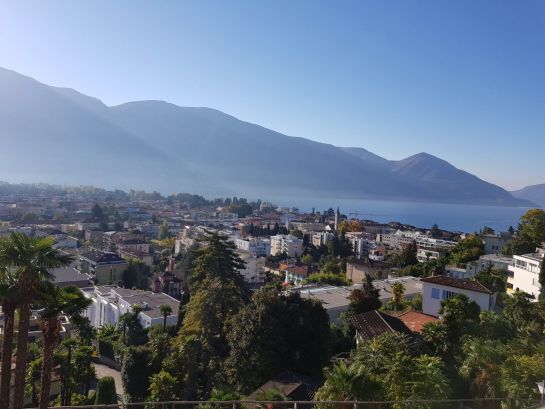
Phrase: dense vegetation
(229, 341)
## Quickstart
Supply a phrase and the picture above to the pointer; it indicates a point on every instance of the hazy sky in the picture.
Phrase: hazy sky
(461, 79)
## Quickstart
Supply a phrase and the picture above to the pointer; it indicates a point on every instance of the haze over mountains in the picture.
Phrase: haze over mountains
(534, 193)
(59, 135)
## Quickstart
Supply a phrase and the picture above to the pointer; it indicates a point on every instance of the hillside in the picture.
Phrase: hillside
(59, 135)
(534, 193)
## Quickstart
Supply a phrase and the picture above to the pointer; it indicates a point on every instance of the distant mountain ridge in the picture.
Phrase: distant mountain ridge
(59, 135)
(533, 193)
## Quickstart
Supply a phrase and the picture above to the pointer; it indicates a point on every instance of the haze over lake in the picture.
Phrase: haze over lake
(467, 218)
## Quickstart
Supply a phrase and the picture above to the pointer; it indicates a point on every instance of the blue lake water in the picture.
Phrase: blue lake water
(454, 217)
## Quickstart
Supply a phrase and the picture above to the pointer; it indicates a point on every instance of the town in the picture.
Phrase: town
(162, 279)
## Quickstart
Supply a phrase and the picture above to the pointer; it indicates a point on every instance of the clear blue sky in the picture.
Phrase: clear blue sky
(461, 79)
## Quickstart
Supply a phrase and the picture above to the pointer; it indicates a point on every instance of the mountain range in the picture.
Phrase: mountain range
(59, 135)
(534, 193)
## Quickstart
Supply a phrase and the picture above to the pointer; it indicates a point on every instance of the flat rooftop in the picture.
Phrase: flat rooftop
(496, 258)
(533, 256)
(338, 297)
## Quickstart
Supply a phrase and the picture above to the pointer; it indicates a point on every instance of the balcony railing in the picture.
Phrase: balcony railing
(499, 403)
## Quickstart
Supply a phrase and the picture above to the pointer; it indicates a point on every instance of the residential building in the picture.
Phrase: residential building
(293, 386)
(102, 266)
(34, 329)
(66, 242)
(254, 268)
(296, 274)
(254, 245)
(496, 261)
(168, 283)
(288, 244)
(415, 320)
(186, 238)
(457, 272)
(356, 270)
(110, 303)
(425, 254)
(335, 300)
(524, 273)
(431, 243)
(371, 324)
(134, 246)
(308, 227)
(376, 228)
(361, 242)
(65, 276)
(112, 239)
(145, 258)
(377, 253)
(94, 236)
(319, 239)
(494, 243)
(438, 288)
(396, 240)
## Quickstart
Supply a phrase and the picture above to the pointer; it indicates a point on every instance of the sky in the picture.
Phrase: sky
(463, 80)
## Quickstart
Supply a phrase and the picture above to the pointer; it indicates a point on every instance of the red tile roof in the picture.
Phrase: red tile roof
(416, 320)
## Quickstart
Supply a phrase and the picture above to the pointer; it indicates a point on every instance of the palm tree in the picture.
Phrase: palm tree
(168, 246)
(482, 366)
(55, 300)
(345, 382)
(30, 258)
(132, 328)
(166, 310)
(398, 289)
(8, 300)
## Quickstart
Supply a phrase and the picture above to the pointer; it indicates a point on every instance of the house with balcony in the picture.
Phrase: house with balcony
(254, 245)
(524, 273)
(288, 244)
(109, 303)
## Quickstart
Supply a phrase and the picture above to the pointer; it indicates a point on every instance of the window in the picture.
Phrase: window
(448, 294)
(435, 293)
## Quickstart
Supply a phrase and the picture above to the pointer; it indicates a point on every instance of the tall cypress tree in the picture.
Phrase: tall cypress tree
(217, 259)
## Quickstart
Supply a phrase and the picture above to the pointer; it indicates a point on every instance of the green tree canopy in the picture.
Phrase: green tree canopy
(468, 249)
(263, 344)
(105, 392)
(530, 233)
(216, 259)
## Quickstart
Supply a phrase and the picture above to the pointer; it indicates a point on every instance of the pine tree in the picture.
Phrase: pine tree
(217, 259)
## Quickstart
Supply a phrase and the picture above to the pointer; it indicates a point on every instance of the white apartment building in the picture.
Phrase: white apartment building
(256, 246)
(524, 274)
(254, 268)
(395, 240)
(109, 303)
(475, 267)
(288, 244)
(496, 261)
(428, 242)
(318, 239)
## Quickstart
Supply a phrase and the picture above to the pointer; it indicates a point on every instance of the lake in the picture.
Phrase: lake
(453, 217)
